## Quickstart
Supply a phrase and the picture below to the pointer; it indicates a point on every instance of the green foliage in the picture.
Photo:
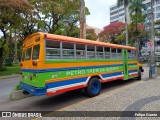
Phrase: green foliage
(18, 87)
(120, 39)
(138, 18)
(4, 69)
(10, 70)
(157, 24)
(137, 6)
(91, 35)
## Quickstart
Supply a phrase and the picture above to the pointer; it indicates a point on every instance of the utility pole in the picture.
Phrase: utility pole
(126, 22)
(82, 20)
(152, 53)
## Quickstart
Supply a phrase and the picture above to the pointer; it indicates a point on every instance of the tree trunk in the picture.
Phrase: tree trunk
(10, 47)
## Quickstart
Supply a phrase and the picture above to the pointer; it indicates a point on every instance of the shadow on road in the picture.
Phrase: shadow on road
(58, 101)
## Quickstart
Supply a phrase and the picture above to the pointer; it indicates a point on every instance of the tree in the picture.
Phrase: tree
(137, 17)
(91, 35)
(157, 27)
(137, 6)
(111, 32)
(136, 33)
(125, 3)
(10, 18)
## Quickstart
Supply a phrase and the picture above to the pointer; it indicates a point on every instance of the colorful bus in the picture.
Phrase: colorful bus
(53, 64)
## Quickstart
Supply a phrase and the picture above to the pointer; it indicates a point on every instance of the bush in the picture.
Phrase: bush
(8, 64)
(4, 69)
(18, 87)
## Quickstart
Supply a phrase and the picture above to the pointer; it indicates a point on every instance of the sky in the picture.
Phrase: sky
(99, 12)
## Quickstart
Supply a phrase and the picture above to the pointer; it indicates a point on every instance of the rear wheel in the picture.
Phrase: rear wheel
(94, 87)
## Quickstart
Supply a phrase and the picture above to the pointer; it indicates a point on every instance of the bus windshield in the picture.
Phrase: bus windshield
(28, 54)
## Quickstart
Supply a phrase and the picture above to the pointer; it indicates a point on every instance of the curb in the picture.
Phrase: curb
(10, 76)
(18, 94)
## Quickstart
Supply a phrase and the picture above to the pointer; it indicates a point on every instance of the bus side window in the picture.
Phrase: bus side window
(129, 54)
(119, 53)
(91, 52)
(107, 53)
(80, 51)
(67, 50)
(114, 56)
(99, 52)
(132, 54)
(52, 49)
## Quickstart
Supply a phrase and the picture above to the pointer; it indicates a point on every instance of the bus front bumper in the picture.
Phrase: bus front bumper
(33, 90)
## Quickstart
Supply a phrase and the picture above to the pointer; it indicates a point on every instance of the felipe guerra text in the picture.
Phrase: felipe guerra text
(145, 115)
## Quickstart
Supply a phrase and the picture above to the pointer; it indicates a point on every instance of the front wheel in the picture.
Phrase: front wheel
(94, 87)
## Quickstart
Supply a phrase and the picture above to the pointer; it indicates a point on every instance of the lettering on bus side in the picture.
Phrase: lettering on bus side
(92, 71)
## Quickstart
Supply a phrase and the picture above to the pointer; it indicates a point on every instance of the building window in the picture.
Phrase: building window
(158, 8)
(158, 15)
(157, 2)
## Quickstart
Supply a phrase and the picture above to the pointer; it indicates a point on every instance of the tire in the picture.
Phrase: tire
(94, 87)
(139, 75)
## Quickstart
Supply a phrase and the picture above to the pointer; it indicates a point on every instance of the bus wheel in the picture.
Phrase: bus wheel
(94, 87)
(139, 75)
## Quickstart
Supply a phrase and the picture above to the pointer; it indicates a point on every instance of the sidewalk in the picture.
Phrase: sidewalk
(140, 96)
(9, 76)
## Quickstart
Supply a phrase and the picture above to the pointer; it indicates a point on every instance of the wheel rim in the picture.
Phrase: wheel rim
(95, 88)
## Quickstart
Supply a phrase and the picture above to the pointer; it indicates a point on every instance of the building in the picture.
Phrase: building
(117, 14)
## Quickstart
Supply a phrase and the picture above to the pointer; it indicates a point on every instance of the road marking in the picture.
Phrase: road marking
(115, 90)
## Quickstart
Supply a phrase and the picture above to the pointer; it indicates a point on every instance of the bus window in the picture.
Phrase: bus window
(52, 49)
(68, 50)
(90, 51)
(80, 51)
(28, 54)
(107, 53)
(114, 56)
(99, 52)
(132, 54)
(36, 50)
(119, 53)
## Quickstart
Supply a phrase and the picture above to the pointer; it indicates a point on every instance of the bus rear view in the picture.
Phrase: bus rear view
(31, 61)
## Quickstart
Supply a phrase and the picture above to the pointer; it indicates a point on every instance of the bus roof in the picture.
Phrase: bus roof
(83, 41)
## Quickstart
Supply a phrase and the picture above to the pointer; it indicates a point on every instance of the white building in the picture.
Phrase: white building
(118, 14)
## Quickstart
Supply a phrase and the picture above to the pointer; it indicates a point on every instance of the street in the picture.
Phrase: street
(6, 86)
(55, 102)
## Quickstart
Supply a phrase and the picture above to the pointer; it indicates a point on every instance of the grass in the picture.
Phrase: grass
(10, 70)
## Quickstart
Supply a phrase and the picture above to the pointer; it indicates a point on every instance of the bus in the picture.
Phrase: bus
(52, 64)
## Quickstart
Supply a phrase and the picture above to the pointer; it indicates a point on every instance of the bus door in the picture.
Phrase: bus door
(125, 64)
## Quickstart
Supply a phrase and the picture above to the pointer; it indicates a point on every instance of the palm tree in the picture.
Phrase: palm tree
(125, 3)
(137, 6)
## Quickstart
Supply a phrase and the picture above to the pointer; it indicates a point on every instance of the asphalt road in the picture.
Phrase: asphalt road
(55, 102)
(6, 86)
